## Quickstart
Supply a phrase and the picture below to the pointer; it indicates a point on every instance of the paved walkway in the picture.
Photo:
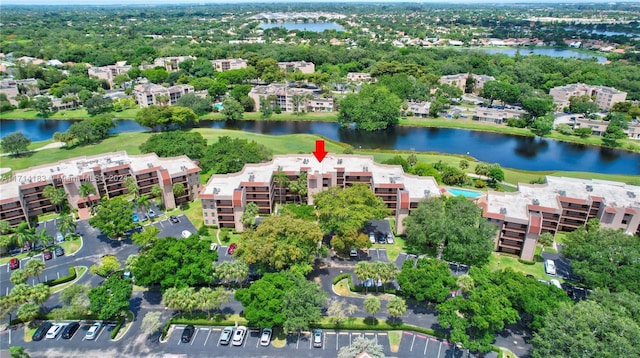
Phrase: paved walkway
(48, 146)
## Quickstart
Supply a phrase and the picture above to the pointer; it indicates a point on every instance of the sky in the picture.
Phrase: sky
(175, 2)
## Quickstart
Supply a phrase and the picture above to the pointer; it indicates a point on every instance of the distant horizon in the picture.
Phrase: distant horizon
(127, 3)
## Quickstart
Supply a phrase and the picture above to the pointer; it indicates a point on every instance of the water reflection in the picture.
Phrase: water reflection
(530, 147)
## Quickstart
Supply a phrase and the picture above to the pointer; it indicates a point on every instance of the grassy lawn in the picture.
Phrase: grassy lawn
(342, 289)
(194, 213)
(393, 251)
(501, 261)
(560, 237)
(394, 340)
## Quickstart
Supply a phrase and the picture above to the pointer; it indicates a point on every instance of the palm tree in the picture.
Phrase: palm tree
(162, 99)
(240, 271)
(5, 227)
(156, 192)
(388, 273)
(66, 224)
(18, 276)
(372, 305)
(40, 293)
(20, 293)
(131, 185)
(465, 283)
(363, 272)
(178, 190)
(34, 268)
(144, 202)
(55, 196)
(230, 271)
(209, 299)
(282, 180)
(302, 187)
(22, 234)
(171, 299)
(86, 190)
(28, 311)
(44, 237)
(188, 299)
(396, 307)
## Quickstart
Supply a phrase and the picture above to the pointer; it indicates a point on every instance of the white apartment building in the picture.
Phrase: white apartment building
(284, 96)
(148, 94)
(604, 97)
(229, 64)
(108, 73)
(303, 66)
(460, 81)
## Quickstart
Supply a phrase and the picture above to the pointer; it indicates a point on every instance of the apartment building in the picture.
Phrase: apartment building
(561, 204)
(23, 195)
(11, 88)
(604, 97)
(225, 196)
(359, 77)
(169, 63)
(290, 99)
(495, 115)
(148, 93)
(303, 66)
(229, 64)
(460, 81)
(108, 73)
(418, 108)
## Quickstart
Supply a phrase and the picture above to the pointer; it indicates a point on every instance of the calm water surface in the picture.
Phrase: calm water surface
(509, 151)
(314, 27)
(565, 53)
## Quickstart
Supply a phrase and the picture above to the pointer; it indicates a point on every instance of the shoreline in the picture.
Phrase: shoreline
(439, 122)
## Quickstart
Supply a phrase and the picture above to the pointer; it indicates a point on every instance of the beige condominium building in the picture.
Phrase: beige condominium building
(460, 81)
(22, 196)
(229, 64)
(290, 99)
(108, 73)
(561, 204)
(604, 97)
(148, 94)
(303, 66)
(225, 196)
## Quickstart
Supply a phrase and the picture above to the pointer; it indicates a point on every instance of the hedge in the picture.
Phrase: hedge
(380, 326)
(360, 288)
(115, 331)
(526, 262)
(341, 277)
(58, 281)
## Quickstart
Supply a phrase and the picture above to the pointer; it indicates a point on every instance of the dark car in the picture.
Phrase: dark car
(14, 263)
(47, 255)
(41, 331)
(174, 219)
(232, 248)
(70, 330)
(59, 251)
(187, 333)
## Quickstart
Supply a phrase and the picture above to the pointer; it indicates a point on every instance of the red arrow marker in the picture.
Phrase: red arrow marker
(320, 152)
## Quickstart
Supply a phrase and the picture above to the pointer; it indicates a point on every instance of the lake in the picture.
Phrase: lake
(565, 53)
(509, 151)
(311, 26)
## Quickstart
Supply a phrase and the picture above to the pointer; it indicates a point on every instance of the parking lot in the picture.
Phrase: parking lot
(205, 341)
(456, 268)
(168, 228)
(78, 340)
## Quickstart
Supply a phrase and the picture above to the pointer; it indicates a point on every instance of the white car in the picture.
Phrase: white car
(92, 333)
(54, 331)
(238, 335)
(556, 283)
(186, 233)
(265, 339)
(390, 239)
(550, 267)
(372, 237)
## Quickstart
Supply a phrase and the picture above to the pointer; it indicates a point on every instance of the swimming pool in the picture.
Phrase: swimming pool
(465, 193)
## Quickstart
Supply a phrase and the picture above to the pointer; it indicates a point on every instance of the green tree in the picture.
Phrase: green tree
(113, 217)
(582, 104)
(40, 293)
(76, 295)
(197, 104)
(18, 276)
(98, 104)
(18, 352)
(209, 299)
(537, 106)
(175, 143)
(232, 109)
(56, 196)
(372, 305)
(43, 105)
(229, 155)
(231, 271)
(345, 211)
(66, 224)
(282, 180)
(338, 310)
(110, 264)
(34, 268)
(151, 322)
(430, 280)
(615, 131)
(170, 262)
(542, 126)
(132, 186)
(178, 190)
(281, 242)
(249, 214)
(15, 143)
(302, 305)
(373, 108)
(86, 190)
(28, 311)
(396, 307)
(111, 298)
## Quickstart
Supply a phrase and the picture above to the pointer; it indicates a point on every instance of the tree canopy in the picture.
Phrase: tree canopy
(345, 211)
(430, 280)
(111, 298)
(166, 117)
(113, 217)
(15, 143)
(171, 262)
(373, 108)
(229, 155)
(175, 143)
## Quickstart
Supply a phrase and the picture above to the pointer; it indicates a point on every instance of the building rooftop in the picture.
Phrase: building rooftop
(76, 167)
(514, 205)
(418, 187)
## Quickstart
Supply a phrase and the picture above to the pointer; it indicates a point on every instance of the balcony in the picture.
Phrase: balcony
(515, 228)
(512, 236)
(510, 245)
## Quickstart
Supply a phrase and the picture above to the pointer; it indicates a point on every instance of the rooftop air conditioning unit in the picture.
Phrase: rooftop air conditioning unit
(536, 202)
(503, 211)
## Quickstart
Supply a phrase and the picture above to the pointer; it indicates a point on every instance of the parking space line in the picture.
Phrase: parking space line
(382, 333)
(369, 333)
(298, 341)
(412, 341)
(439, 348)
(425, 347)
(193, 339)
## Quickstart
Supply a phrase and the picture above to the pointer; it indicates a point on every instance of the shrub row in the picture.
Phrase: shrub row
(360, 288)
(380, 326)
(341, 277)
(115, 331)
(58, 281)
(526, 262)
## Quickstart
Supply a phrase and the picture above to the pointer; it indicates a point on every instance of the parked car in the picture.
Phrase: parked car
(185, 233)
(59, 237)
(238, 335)
(54, 331)
(187, 333)
(47, 255)
(135, 217)
(556, 283)
(93, 331)
(59, 251)
(232, 248)
(127, 274)
(14, 263)
(353, 253)
(151, 213)
(265, 339)
(174, 219)
(26, 246)
(317, 338)
(70, 330)
(382, 239)
(41, 331)
(390, 239)
(550, 267)
(225, 336)
(372, 237)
